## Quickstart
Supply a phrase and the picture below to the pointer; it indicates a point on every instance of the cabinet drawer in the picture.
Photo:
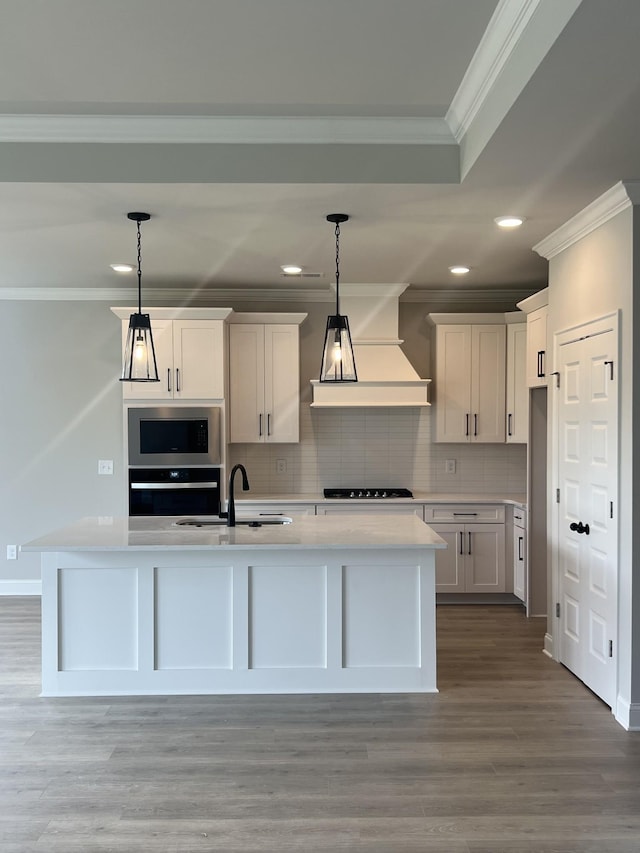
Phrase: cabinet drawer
(519, 517)
(464, 513)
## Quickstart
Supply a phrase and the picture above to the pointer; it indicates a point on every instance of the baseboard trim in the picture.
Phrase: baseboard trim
(477, 598)
(21, 587)
(548, 645)
(627, 714)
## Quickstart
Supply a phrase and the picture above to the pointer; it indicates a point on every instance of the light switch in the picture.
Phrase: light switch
(105, 466)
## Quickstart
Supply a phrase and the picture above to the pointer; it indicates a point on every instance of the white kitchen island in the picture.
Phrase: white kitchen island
(325, 604)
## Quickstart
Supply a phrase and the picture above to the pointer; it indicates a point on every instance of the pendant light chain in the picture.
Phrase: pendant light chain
(337, 268)
(139, 270)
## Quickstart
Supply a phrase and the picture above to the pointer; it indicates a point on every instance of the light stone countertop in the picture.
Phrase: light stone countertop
(418, 497)
(312, 532)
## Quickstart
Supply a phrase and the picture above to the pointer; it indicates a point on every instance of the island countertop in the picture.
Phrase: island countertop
(312, 532)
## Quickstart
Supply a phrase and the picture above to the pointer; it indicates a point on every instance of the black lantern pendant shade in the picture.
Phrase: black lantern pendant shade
(338, 362)
(139, 363)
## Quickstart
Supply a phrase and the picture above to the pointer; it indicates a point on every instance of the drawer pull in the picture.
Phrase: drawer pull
(465, 513)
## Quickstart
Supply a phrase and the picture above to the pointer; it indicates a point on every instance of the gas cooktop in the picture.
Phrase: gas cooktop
(367, 493)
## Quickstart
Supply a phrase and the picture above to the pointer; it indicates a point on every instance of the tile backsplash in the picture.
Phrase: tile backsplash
(379, 447)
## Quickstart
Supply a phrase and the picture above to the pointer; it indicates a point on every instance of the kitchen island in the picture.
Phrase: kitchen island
(134, 606)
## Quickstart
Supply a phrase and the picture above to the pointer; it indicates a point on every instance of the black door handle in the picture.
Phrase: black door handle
(579, 527)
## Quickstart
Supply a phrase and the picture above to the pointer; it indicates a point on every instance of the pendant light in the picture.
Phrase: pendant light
(139, 363)
(338, 362)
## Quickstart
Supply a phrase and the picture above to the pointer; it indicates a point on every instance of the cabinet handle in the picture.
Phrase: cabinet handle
(541, 354)
(269, 424)
(260, 424)
(466, 432)
(509, 419)
(520, 555)
(475, 425)
(168, 379)
(178, 379)
(465, 513)
(461, 542)
(469, 534)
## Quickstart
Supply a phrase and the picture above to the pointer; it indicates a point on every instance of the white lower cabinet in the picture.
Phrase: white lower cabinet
(520, 554)
(474, 560)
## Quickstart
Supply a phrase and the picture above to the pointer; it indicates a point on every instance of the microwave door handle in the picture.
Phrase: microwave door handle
(165, 486)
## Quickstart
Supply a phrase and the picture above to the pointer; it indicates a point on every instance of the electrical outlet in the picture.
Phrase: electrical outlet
(105, 466)
(12, 552)
(281, 466)
(450, 466)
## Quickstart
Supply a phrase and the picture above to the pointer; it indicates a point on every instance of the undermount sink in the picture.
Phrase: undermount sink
(257, 521)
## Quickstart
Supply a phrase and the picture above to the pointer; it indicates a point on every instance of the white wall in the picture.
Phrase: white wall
(591, 278)
(62, 411)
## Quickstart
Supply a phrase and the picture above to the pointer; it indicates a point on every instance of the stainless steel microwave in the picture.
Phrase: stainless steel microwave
(174, 435)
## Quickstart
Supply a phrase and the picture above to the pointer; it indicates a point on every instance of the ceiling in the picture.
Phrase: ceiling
(239, 124)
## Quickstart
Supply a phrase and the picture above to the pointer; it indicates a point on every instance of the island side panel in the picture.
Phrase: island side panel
(240, 621)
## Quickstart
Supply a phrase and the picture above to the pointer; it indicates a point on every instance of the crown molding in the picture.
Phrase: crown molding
(231, 295)
(612, 202)
(175, 296)
(443, 296)
(504, 31)
(385, 130)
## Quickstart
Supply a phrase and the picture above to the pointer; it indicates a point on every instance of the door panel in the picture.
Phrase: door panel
(587, 476)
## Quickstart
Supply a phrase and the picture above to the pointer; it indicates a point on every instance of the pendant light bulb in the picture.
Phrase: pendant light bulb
(338, 362)
(139, 364)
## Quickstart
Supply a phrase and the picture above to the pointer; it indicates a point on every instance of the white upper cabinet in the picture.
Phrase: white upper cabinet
(517, 425)
(264, 379)
(190, 354)
(536, 309)
(470, 378)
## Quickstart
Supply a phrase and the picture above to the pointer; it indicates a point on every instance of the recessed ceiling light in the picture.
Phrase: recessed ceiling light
(291, 269)
(459, 270)
(121, 267)
(509, 221)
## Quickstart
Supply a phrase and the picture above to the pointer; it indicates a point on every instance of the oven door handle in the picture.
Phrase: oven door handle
(165, 486)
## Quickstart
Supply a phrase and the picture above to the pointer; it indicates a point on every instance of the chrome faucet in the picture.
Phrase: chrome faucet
(231, 505)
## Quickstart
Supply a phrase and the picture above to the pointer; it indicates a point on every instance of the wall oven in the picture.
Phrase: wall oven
(174, 491)
(174, 436)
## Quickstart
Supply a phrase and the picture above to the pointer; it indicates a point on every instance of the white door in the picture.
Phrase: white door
(198, 356)
(587, 529)
(282, 383)
(488, 383)
(246, 383)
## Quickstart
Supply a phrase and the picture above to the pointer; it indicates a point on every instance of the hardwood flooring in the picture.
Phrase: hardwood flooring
(514, 755)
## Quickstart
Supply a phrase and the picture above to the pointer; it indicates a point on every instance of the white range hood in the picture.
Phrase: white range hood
(385, 375)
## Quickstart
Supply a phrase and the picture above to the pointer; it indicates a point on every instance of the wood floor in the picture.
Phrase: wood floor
(514, 755)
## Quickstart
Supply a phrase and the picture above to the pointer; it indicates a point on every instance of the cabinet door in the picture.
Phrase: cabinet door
(484, 557)
(162, 331)
(450, 561)
(517, 388)
(488, 357)
(198, 360)
(246, 383)
(537, 347)
(453, 383)
(281, 383)
(519, 562)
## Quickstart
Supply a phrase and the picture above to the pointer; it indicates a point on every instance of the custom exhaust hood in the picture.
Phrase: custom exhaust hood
(385, 375)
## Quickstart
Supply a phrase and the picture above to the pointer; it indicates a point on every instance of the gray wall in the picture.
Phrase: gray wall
(61, 412)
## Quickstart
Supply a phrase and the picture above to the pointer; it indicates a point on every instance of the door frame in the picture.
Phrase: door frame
(604, 323)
